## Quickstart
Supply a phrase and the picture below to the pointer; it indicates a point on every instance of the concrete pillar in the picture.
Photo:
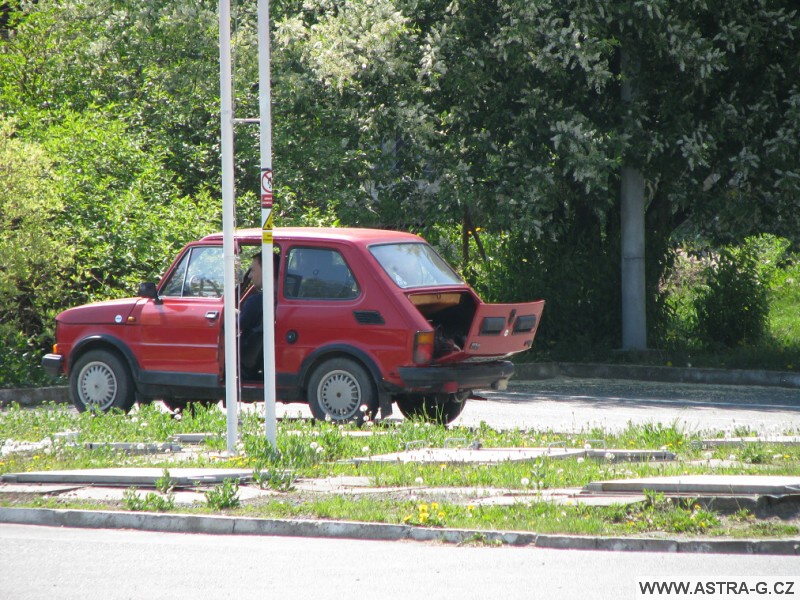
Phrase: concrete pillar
(634, 316)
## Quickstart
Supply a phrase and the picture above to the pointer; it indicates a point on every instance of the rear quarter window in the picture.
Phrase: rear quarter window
(318, 273)
(414, 265)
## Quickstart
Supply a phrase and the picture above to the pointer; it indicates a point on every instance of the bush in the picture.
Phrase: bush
(733, 307)
(19, 356)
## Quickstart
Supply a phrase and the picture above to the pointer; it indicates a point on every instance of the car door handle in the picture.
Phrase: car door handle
(212, 314)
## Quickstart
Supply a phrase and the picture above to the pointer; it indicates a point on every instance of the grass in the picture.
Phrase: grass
(309, 450)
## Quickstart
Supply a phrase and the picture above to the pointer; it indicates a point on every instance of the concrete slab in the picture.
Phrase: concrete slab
(134, 447)
(566, 497)
(468, 455)
(704, 485)
(138, 476)
(789, 440)
(181, 497)
(498, 455)
(194, 438)
(39, 489)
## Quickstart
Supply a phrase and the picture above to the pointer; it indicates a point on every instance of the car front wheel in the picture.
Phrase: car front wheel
(340, 389)
(100, 381)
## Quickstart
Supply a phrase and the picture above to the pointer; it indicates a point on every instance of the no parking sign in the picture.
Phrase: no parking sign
(266, 188)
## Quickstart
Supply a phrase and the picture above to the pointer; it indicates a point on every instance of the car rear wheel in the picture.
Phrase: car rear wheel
(101, 381)
(340, 389)
(434, 408)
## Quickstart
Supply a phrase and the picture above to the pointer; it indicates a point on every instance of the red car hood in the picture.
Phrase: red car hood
(109, 311)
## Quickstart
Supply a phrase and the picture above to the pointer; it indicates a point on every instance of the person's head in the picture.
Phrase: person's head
(255, 271)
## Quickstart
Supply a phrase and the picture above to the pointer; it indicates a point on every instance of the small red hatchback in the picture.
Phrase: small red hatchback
(363, 319)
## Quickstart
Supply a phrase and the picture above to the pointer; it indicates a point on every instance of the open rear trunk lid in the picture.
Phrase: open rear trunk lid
(499, 330)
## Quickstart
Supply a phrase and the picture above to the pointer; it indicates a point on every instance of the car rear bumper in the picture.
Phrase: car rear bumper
(454, 378)
(53, 364)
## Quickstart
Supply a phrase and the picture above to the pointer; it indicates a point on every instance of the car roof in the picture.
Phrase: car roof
(347, 234)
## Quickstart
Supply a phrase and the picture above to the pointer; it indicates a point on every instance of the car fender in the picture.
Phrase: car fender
(332, 350)
(104, 341)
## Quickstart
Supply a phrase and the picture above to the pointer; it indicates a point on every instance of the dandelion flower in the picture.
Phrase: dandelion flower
(525, 481)
(418, 480)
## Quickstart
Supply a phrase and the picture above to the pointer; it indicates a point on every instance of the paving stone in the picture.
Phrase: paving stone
(138, 476)
(765, 439)
(497, 455)
(704, 484)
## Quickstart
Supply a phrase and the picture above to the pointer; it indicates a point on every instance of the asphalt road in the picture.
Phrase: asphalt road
(579, 405)
(43, 563)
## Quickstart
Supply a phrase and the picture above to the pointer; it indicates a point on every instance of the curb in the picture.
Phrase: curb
(786, 379)
(221, 525)
(27, 397)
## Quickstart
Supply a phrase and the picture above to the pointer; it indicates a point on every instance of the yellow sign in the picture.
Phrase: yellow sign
(266, 236)
(268, 221)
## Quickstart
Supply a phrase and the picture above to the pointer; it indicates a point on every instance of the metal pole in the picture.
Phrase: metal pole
(228, 219)
(265, 110)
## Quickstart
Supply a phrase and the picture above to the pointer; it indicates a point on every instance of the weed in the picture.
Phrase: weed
(224, 495)
(755, 454)
(428, 515)
(151, 502)
(275, 479)
(165, 484)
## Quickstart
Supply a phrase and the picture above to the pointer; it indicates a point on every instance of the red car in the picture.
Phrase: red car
(363, 319)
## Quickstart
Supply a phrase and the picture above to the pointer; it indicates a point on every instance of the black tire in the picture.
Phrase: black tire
(434, 408)
(342, 390)
(101, 381)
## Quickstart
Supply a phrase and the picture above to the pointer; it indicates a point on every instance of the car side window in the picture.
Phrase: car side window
(318, 273)
(200, 274)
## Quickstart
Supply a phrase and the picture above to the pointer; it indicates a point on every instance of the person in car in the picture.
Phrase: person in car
(251, 324)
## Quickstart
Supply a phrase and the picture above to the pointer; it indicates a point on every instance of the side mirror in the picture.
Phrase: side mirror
(148, 289)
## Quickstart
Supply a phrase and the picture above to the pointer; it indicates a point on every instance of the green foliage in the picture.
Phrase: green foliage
(150, 502)
(733, 307)
(224, 495)
(165, 484)
(29, 261)
(417, 114)
(20, 356)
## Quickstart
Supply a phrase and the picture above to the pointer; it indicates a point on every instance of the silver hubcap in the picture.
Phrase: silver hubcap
(339, 395)
(97, 385)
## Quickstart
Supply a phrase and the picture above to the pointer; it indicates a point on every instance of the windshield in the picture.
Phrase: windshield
(414, 265)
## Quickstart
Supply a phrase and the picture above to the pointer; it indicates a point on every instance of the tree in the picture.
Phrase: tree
(29, 261)
(501, 119)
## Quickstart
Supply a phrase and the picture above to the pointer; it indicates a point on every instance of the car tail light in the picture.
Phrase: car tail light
(423, 347)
